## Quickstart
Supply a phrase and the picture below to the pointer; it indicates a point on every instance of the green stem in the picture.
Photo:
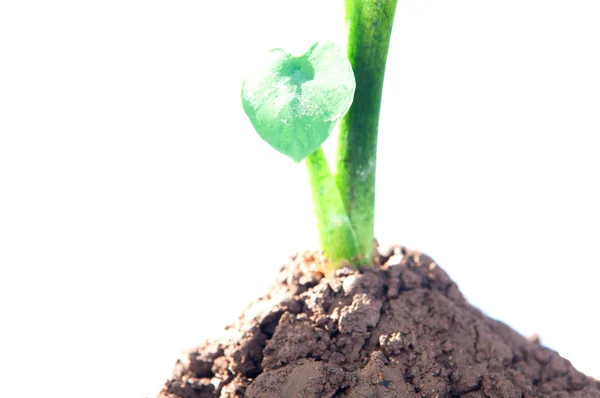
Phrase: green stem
(336, 234)
(369, 24)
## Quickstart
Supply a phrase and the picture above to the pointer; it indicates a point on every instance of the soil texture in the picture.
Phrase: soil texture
(399, 329)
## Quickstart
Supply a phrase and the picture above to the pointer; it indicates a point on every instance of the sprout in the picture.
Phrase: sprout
(294, 103)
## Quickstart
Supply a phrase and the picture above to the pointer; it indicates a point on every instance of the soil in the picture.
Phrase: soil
(399, 329)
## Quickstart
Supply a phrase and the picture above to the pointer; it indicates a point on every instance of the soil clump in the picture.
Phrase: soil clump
(399, 329)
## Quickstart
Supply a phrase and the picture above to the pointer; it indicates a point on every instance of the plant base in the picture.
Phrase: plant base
(401, 329)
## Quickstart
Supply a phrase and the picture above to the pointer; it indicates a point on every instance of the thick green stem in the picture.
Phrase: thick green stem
(369, 24)
(336, 234)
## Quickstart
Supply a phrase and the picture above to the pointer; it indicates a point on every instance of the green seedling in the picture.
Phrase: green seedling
(295, 102)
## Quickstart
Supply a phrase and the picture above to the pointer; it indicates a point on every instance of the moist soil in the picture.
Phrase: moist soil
(399, 329)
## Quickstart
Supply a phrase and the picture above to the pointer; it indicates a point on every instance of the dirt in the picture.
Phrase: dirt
(400, 329)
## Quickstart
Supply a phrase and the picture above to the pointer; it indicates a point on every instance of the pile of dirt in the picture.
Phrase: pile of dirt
(400, 329)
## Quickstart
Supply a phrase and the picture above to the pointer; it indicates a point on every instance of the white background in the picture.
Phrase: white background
(139, 211)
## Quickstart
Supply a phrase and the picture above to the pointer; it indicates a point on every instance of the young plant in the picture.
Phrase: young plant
(295, 102)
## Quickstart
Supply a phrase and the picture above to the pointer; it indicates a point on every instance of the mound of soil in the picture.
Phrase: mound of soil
(400, 329)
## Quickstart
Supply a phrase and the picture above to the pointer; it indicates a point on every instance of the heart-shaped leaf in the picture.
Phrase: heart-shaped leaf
(295, 102)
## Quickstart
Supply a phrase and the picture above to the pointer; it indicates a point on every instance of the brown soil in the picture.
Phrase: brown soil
(402, 329)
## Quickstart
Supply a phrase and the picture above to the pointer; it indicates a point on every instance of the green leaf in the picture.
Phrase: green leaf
(295, 102)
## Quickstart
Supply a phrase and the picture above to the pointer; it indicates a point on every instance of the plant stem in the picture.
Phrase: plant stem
(369, 24)
(336, 234)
